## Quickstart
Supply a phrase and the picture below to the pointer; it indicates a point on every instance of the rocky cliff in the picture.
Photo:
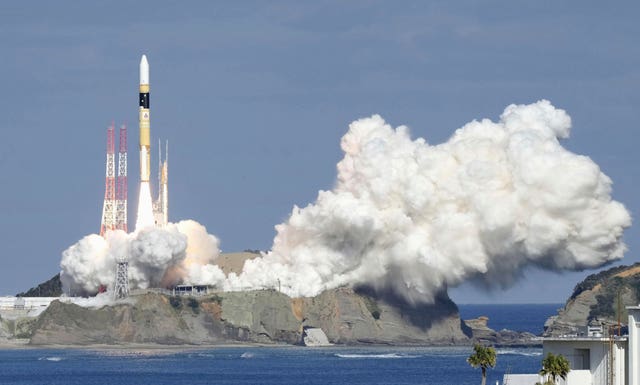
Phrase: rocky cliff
(347, 317)
(599, 298)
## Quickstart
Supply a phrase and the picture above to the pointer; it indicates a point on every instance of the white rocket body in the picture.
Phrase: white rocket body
(145, 205)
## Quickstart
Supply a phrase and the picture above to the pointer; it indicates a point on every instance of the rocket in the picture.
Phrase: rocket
(145, 209)
(144, 119)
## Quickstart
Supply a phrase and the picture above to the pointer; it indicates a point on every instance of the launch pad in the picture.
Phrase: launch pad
(149, 212)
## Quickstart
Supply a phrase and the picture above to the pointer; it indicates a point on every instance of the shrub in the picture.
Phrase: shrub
(176, 302)
(194, 305)
(372, 306)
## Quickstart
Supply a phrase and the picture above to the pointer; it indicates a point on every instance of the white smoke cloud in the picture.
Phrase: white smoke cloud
(158, 257)
(404, 215)
(415, 218)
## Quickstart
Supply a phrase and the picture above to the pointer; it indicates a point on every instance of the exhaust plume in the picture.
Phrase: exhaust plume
(178, 253)
(415, 218)
(403, 216)
(144, 215)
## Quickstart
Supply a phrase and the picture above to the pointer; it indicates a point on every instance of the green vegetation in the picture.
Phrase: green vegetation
(553, 367)
(24, 335)
(598, 278)
(213, 298)
(21, 328)
(610, 293)
(176, 302)
(50, 288)
(614, 294)
(372, 306)
(607, 299)
(194, 305)
(483, 357)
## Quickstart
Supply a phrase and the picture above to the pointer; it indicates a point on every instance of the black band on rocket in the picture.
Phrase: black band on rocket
(144, 100)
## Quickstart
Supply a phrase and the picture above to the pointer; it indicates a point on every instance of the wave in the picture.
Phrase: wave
(54, 359)
(516, 352)
(202, 355)
(247, 355)
(377, 356)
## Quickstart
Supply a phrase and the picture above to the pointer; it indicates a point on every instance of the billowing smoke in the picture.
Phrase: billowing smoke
(158, 257)
(415, 218)
(404, 216)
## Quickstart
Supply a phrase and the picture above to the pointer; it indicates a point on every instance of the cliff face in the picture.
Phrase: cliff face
(152, 319)
(267, 316)
(346, 317)
(599, 298)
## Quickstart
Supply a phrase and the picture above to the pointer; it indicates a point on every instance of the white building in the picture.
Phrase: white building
(594, 359)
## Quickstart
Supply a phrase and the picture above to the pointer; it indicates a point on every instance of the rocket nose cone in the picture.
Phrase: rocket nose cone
(144, 70)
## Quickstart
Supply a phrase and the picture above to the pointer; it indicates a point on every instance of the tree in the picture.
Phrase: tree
(553, 367)
(483, 357)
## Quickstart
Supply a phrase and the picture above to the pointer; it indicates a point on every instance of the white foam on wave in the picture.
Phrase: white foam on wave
(247, 355)
(53, 359)
(517, 352)
(376, 356)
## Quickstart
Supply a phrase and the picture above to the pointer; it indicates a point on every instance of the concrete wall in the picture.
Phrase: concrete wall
(521, 379)
(33, 302)
(578, 377)
(599, 349)
(634, 345)
(575, 377)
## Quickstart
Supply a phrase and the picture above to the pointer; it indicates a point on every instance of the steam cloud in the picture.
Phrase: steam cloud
(404, 216)
(158, 257)
(416, 218)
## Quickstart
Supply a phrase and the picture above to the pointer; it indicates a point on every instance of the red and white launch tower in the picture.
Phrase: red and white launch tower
(108, 208)
(114, 208)
(121, 192)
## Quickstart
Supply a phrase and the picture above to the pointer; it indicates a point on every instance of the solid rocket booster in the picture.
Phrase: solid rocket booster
(145, 126)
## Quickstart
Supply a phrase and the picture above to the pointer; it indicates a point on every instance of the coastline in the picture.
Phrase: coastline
(24, 345)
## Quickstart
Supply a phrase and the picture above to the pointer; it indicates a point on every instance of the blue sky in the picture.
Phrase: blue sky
(255, 96)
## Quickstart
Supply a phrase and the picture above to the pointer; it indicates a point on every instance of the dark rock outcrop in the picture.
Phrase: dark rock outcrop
(482, 333)
(600, 298)
(350, 317)
(50, 288)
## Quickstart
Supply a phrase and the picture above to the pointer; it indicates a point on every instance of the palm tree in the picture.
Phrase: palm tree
(555, 366)
(484, 357)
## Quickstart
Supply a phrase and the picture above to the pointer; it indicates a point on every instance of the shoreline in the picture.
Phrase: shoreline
(134, 346)
(25, 345)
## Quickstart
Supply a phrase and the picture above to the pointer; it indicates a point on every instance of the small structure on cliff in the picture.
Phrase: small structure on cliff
(190, 290)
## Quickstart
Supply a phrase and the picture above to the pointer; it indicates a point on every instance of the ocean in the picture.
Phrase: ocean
(275, 365)
(522, 318)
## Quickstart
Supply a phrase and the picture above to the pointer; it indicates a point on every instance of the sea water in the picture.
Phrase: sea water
(523, 318)
(261, 365)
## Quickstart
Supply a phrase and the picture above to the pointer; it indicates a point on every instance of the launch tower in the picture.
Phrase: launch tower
(121, 287)
(121, 192)
(114, 207)
(108, 207)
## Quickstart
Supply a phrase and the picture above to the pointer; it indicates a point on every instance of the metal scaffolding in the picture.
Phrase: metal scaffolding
(121, 287)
